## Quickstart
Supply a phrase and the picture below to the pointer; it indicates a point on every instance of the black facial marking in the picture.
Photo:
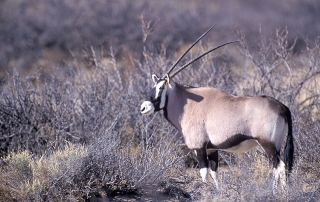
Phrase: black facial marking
(152, 97)
(165, 109)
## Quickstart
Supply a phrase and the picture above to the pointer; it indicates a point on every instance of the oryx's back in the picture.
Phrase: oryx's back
(220, 116)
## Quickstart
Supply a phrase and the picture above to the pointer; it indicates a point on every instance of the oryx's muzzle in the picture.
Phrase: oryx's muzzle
(147, 108)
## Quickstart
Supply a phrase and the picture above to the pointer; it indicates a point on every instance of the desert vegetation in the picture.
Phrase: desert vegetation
(74, 73)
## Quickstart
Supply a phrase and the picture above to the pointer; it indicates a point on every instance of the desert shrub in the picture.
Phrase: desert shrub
(43, 119)
(125, 153)
(16, 174)
(26, 177)
(42, 115)
(74, 131)
(106, 167)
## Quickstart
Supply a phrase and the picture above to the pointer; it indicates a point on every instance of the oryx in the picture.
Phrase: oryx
(210, 120)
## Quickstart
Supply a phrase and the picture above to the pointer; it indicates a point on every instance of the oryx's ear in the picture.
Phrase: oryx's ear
(155, 78)
(167, 78)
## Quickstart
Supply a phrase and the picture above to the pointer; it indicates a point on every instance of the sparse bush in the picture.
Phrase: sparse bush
(74, 132)
(16, 175)
(120, 154)
(124, 152)
(106, 167)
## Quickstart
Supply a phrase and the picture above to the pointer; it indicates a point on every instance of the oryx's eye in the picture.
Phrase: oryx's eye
(161, 87)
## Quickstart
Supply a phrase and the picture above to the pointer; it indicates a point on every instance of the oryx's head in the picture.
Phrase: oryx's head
(157, 98)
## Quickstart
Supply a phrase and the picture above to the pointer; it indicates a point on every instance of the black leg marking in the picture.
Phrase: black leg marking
(203, 163)
(213, 159)
(202, 158)
(271, 151)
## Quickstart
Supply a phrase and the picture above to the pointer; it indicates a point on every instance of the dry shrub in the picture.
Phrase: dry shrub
(26, 177)
(120, 155)
(96, 104)
(104, 168)
(16, 175)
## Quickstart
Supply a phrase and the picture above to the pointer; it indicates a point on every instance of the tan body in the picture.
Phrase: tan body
(206, 115)
(211, 120)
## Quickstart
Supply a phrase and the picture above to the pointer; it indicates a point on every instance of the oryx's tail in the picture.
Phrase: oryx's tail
(289, 148)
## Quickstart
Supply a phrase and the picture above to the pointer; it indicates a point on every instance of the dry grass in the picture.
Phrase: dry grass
(72, 130)
(26, 176)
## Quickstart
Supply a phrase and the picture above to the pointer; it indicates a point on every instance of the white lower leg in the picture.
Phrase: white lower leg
(282, 173)
(275, 181)
(204, 174)
(214, 176)
(279, 173)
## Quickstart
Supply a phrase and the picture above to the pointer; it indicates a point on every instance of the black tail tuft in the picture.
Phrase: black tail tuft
(289, 148)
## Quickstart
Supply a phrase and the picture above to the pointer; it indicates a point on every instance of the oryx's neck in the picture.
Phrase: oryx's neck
(176, 101)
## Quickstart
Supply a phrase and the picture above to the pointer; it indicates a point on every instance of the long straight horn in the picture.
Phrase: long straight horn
(180, 58)
(200, 56)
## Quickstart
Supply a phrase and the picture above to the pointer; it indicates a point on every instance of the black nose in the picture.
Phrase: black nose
(142, 109)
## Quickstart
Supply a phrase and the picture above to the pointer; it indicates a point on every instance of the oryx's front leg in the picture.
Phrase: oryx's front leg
(203, 163)
(213, 160)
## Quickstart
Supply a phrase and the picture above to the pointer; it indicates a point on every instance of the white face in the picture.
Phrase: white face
(157, 97)
(147, 108)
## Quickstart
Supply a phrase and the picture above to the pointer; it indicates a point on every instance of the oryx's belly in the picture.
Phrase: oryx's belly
(238, 143)
(243, 146)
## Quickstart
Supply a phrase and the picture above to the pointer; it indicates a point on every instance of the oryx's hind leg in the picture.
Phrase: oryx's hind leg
(278, 165)
(203, 163)
(279, 175)
(213, 161)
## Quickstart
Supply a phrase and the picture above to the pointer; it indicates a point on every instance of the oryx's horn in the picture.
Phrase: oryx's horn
(200, 56)
(180, 58)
